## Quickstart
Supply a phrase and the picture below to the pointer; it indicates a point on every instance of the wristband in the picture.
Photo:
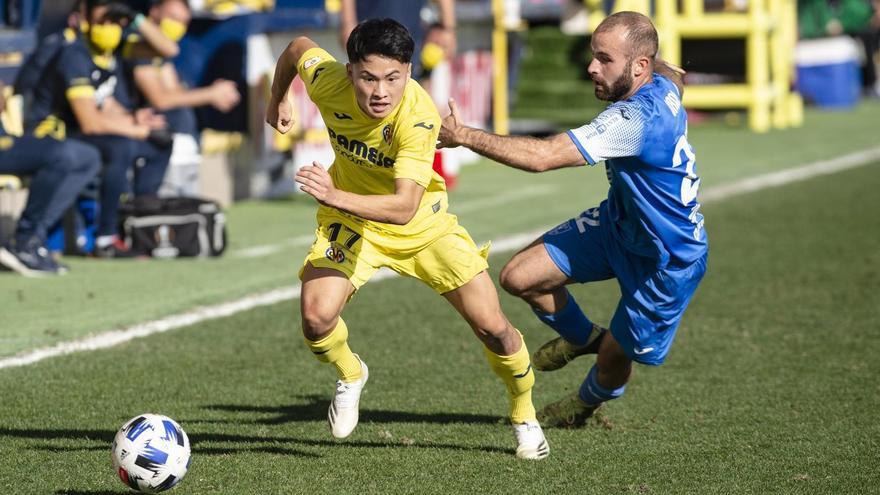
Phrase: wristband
(137, 21)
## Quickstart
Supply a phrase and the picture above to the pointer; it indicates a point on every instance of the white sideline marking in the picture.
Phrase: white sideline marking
(267, 249)
(114, 337)
(787, 176)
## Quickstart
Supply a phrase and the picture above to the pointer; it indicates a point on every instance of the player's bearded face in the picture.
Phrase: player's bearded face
(611, 68)
(379, 83)
(615, 90)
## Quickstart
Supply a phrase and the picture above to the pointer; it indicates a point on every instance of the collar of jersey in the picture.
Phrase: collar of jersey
(103, 61)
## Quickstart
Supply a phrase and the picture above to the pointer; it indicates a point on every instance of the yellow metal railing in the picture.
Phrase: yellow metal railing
(769, 28)
(500, 116)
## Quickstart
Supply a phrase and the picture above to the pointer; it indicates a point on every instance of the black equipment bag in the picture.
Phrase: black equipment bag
(173, 227)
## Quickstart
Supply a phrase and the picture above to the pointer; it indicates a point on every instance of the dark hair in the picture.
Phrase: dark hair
(94, 4)
(159, 3)
(78, 6)
(640, 33)
(117, 11)
(385, 37)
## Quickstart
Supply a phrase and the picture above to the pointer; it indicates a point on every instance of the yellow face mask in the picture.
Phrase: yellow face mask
(173, 29)
(84, 27)
(106, 37)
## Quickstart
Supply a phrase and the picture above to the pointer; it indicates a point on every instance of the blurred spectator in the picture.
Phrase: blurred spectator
(224, 8)
(156, 81)
(857, 18)
(84, 97)
(408, 13)
(58, 171)
(36, 64)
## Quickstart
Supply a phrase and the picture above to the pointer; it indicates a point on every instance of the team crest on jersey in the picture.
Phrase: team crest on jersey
(310, 62)
(334, 253)
(387, 133)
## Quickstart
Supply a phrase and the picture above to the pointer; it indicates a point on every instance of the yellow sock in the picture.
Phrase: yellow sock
(334, 349)
(516, 372)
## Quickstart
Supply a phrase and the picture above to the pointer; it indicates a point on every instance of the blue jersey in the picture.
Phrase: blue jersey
(652, 202)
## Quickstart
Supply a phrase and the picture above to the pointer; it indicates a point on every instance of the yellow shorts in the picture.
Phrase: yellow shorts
(446, 263)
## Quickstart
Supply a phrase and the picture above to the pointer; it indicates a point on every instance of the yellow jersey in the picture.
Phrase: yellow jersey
(372, 153)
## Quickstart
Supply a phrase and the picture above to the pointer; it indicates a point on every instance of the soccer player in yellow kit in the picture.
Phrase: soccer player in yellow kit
(381, 204)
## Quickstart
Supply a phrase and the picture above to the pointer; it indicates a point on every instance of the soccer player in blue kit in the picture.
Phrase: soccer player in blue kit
(648, 233)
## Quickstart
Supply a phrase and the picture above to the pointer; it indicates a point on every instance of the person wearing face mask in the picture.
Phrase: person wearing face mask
(156, 81)
(43, 57)
(84, 98)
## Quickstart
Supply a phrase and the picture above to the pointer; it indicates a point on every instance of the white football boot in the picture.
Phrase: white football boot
(530, 441)
(343, 412)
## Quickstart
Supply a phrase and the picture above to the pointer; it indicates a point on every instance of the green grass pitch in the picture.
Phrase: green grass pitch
(770, 386)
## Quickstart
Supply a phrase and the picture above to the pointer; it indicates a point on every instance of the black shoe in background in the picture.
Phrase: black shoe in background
(30, 258)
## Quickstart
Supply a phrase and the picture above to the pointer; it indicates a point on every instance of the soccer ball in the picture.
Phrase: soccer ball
(150, 453)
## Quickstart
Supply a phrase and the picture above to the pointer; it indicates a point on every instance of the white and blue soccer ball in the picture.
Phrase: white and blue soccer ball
(150, 453)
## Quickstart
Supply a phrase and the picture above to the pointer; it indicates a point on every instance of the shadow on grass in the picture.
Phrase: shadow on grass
(315, 409)
(251, 442)
(55, 449)
(92, 492)
(106, 437)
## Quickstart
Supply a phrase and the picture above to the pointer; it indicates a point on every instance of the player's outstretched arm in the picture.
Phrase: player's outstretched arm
(398, 208)
(522, 152)
(279, 113)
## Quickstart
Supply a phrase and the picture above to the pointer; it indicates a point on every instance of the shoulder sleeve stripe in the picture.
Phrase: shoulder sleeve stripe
(75, 92)
(580, 148)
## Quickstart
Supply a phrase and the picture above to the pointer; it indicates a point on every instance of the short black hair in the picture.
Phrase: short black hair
(116, 10)
(159, 3)
(385, 37)
(93, 4)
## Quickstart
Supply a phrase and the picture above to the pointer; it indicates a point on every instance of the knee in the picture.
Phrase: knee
(74, 157)
(513, 282)
(87, 159)
(493, 325)
(318, 318)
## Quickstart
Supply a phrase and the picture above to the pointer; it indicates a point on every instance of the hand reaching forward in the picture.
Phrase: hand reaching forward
(315, 181)
(451, 130)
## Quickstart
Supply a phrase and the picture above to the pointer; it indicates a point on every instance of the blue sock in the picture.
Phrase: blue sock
(592, 393)
(569, 322)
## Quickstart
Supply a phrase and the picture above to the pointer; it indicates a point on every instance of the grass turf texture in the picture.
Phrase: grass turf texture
(492, 201)
(768, 389)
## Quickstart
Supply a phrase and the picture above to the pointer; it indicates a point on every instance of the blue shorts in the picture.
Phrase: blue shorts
(652, 300)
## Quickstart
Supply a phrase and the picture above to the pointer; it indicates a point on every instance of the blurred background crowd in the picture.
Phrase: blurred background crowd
(104, 101)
